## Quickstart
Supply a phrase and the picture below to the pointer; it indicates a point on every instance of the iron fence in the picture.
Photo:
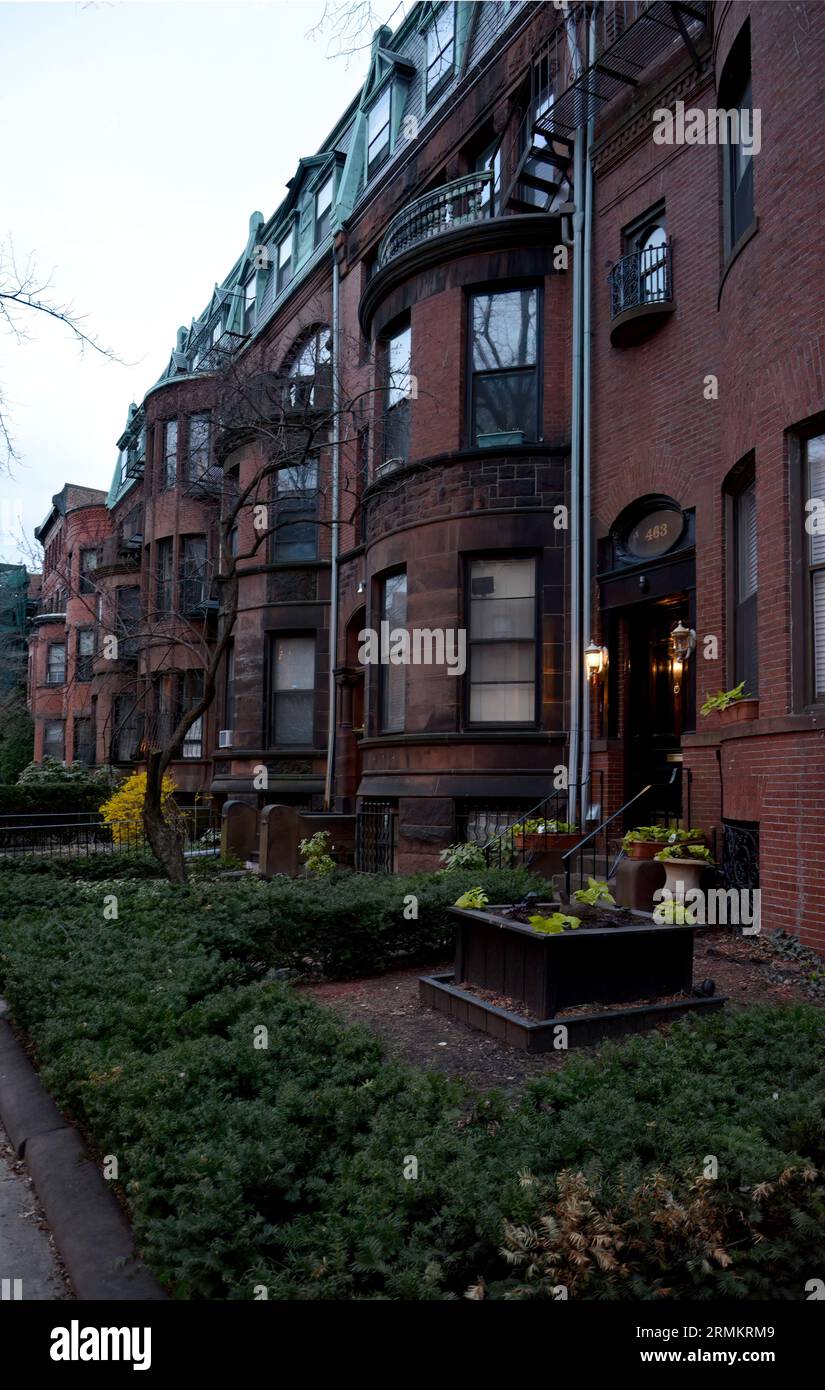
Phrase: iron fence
(83, 834)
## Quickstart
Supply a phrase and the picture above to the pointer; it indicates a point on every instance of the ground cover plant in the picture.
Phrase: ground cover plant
(260, 1141)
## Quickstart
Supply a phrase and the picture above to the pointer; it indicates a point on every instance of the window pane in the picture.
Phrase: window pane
(170, 453)
(504, 661)
(818, 606)
(440, 46)
(504, 330)
(53, 739)
(294, 717)
(816, 490)
(502, 704)
(378, 129)
(399, 359)
(746, 548)
(506, 402)
(394, 678)
(324, 197)
(285, 250)
(294, 663)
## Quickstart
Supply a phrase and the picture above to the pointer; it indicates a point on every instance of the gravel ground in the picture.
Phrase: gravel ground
(747, 970)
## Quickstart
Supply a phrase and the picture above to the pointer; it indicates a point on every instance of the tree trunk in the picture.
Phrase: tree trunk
(163, 836)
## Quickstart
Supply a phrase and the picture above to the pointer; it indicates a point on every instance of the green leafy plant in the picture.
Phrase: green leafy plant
(474, 898)
(723, 698)
(683, 850)
(672, 913)
(541, 827)
(596, 891)
(646, 834)
(554, 924)
(462, 856)
(315, 853)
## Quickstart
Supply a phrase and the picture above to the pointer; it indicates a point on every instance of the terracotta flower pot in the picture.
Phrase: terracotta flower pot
(740, 712)
(644, 849)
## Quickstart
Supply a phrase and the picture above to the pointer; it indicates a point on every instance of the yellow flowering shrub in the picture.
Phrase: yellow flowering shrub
(123, 811)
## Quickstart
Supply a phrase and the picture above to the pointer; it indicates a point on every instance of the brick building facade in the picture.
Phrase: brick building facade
(570, 376)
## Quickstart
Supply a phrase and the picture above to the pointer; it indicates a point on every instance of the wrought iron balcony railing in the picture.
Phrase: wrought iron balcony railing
(464, 200)
(644, 277)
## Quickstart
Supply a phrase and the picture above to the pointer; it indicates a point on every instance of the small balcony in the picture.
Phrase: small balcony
(641, 293)
(453, 205)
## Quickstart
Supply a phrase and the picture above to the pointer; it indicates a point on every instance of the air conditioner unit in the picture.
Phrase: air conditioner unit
(224, 738)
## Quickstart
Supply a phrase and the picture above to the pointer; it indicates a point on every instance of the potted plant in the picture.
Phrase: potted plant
(645, 841)
(684, 864)
(498, 439)
(733, 706)
(533, 835)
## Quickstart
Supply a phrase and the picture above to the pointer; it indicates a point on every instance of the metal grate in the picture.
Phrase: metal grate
(375, 836)
(643, 277)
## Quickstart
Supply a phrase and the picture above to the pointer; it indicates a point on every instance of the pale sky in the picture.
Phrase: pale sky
(137, 138)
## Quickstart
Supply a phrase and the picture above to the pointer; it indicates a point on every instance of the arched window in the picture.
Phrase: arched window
(308, 367)
(652, 264)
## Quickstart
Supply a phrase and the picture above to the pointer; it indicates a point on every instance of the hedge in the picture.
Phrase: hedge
(289, 1165)
(46, 798)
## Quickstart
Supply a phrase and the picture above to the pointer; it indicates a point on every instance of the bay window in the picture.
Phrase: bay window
(502, 641)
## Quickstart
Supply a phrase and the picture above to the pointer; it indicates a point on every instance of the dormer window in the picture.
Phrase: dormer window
(378, 131)
(323, 210)
(284, 266)
(440, 48)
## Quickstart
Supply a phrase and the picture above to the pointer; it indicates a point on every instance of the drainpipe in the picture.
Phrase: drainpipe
(586, 359)
(333, 604)
(575, 448)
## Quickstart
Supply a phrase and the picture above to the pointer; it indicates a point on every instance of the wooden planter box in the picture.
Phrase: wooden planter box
(604, 965)
(545, 974)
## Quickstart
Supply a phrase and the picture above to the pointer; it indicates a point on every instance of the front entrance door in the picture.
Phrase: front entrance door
(658, 704)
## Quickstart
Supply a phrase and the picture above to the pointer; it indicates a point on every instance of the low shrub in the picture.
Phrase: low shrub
(287, 1165)
(44, 798)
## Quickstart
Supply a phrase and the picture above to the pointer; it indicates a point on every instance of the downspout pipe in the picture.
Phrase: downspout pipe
(329, 784)
(575, 453)
(587, 339)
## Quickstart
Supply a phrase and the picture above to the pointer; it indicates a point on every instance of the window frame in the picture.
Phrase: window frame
(319, 218)
(382, 580)
(374, 163)
(58, 666)
(54, 723)
(165, 545)
(803, 654)
(486, 291)
(198, 417)
(84, 657)
(284, 270)
(735, 83)
(740, 482)
(491, 557)
(85, 583)
(303, 502)
(250, 301)
(399, 410)
(169, 458)
(431, 89)
(270, 723)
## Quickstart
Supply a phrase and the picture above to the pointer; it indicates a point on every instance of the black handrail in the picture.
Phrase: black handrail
(561, 798)
(577, 849)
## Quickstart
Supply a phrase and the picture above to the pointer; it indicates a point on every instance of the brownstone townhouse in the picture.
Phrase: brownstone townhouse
(553, 285)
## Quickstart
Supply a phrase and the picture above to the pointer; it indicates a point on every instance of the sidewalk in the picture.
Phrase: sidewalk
(26, 1253)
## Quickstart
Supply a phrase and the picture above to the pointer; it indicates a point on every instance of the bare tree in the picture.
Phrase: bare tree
(26, 294)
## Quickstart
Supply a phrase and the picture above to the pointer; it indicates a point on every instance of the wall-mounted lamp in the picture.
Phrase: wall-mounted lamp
(682, 642)
(595, 661)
